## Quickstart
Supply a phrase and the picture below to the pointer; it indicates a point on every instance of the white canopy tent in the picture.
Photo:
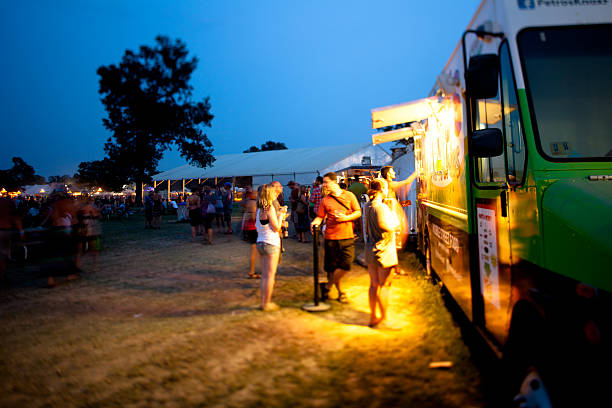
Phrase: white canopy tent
(301, 165)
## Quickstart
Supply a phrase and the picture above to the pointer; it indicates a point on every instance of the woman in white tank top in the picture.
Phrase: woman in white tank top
(268, 223)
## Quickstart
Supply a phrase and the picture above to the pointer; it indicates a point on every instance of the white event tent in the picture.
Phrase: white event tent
(301, 165)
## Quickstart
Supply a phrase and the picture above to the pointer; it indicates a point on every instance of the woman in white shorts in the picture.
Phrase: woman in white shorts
(380, 252)
(268, 222)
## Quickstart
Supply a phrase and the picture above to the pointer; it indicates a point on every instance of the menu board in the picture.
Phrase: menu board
(487, 253)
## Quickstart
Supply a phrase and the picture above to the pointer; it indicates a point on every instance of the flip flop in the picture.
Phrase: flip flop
(254, 276)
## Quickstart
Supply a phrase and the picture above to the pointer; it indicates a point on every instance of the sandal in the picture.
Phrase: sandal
(254, 276)
(342, 298)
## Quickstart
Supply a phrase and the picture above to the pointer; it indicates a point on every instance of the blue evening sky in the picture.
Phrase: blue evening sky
(305, 73)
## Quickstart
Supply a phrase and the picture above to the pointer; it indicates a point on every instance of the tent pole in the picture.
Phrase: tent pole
(183, 187)
(142, 192)
(168, 189)
(154, 184)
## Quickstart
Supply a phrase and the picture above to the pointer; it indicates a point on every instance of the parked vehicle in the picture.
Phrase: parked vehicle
(514, 203)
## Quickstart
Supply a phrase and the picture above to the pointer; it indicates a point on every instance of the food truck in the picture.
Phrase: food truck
(513, 149)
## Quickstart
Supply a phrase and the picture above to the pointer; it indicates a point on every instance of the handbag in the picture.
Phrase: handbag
(301, 208)
(384, 250)
(387, 257)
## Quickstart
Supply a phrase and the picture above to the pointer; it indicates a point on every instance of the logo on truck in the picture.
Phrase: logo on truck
(530, 4)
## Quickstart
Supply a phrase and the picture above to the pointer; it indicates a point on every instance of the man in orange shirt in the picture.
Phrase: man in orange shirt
(339, 208)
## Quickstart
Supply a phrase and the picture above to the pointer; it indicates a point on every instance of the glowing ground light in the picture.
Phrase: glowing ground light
(350, 324)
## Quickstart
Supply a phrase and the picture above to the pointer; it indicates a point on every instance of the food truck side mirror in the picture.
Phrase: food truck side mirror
(481, 76)
(486, 143)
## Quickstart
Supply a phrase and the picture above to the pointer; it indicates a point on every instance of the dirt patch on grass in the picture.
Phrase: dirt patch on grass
(167, 322)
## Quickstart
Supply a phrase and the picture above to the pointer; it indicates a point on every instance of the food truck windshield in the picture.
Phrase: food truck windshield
(568, 82)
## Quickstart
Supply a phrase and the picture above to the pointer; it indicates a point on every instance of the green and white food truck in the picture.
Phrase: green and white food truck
(513, 150)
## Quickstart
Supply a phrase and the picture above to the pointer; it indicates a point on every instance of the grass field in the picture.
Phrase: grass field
(168, 322)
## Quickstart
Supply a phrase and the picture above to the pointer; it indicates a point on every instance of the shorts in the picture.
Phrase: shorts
(208, 220)
(267, 249)
(250, 236)
(195, 217)
(339, 254)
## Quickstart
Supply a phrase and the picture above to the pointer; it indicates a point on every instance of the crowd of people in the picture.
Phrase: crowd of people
(337, 210)
(69, 226)
(206, 206)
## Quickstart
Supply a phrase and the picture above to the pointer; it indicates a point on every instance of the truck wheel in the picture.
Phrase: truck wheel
(523, 357)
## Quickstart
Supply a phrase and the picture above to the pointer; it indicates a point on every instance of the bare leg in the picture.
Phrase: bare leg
(385, 288)
(253, 259)
(337, 276)
(94, 253)
(210, 235)
(193, 233)
(373, 294)
(79, 254)
(269, 264)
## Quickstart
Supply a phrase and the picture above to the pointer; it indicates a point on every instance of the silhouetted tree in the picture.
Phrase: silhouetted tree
(21, 174)
(269, 145)
(100, 173)
(147, 97)
(60, 179)
(37, 180)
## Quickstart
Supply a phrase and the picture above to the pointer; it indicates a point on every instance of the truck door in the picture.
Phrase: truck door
(491, 256)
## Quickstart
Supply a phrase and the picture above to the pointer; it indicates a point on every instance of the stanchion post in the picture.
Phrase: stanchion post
(315, 262)
(316, 306)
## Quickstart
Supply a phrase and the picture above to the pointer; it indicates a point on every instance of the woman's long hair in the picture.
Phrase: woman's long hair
(377, 186)
(266, 196)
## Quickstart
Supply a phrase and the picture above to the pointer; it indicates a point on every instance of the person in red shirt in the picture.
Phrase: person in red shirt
(316, 196)
(338, 208)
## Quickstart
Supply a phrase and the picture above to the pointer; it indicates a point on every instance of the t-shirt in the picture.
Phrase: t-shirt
(379, 219)
(148, 202)
(228, 198)
(295, 196)
(358, 189)
(333, 229)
